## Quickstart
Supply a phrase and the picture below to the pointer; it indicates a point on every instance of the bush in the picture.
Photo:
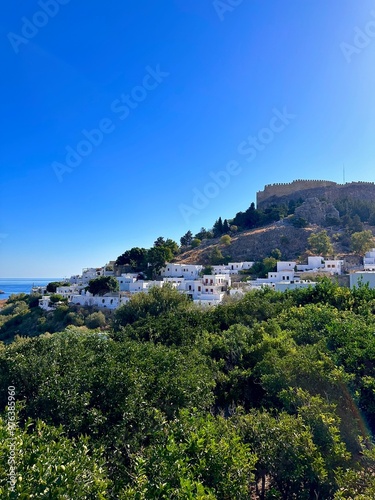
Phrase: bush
(95, 320)
(226, 240)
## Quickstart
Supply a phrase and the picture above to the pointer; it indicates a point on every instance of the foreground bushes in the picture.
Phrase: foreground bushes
(267, 396)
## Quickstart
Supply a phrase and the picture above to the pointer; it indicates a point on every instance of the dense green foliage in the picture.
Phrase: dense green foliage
(269, 397)
(22, 316)
(103, 285)
(320, 243)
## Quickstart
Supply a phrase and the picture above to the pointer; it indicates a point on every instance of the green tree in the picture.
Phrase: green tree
(172, 245)
(356, 225)
(57, 298)
(216, 257)
(53, 285)
(362, 242)
(269, 264)
(204, 234)
(199, 457)
(218, 227)
(103, 284)
(195, 243)
(95, 320)
(157, 258)
(48, 464)
(138, 258)
(157, 301)
(320, 243)
(186, 239)
(225, 240)
(276, 254)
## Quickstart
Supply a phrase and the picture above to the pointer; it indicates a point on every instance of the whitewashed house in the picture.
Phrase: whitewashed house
(362, 277)
(46, 305)
(222, 269)
(187, 271)
(333, 266)
(293, 285)
(369, 260)
(125, 280)
(314, 263)
(247, 265)
(87, 275)
(320, 264)
(69, 291)
(285, 265)
(235, 267)
(108, 301)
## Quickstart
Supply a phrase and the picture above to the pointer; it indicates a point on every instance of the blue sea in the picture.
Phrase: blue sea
(21, 285)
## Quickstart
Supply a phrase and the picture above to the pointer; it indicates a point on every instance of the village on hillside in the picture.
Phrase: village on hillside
(204, 289)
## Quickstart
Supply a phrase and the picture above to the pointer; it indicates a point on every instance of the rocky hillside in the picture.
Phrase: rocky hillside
(254, 244)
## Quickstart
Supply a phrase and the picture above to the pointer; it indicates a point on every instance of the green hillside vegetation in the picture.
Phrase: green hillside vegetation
(21, 316)
(267, 397)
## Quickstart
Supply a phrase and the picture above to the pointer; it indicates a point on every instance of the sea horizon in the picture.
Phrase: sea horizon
(11, 286)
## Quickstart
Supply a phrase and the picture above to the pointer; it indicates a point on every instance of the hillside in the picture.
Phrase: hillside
(339, 209)
(254, 244)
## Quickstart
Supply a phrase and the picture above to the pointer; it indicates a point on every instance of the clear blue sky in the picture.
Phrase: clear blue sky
(202, 77)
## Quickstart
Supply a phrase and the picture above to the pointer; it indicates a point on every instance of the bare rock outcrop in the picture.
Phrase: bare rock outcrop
(315, 211)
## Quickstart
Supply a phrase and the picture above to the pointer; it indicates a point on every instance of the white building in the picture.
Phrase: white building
(125, 280)
(369, 260)
(108, 301)
(293, 285)
(247, 265)
(87, 275)
(333, 266)
(285, 265)
(68, 291)
(362, 277)
(222, 280)
(220, 269)
(314, 263)
(46, 304)
(187, 271)
(319, 264)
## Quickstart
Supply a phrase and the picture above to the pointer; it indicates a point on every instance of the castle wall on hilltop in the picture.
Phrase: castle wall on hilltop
(329, 190)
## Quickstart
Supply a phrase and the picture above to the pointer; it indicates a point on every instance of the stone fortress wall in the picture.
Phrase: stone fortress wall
(329, 190)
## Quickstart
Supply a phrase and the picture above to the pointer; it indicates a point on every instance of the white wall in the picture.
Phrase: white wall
(364, 277)
(285, 265)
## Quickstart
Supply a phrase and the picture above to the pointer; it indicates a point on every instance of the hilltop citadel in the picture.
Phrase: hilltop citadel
(284, 192)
